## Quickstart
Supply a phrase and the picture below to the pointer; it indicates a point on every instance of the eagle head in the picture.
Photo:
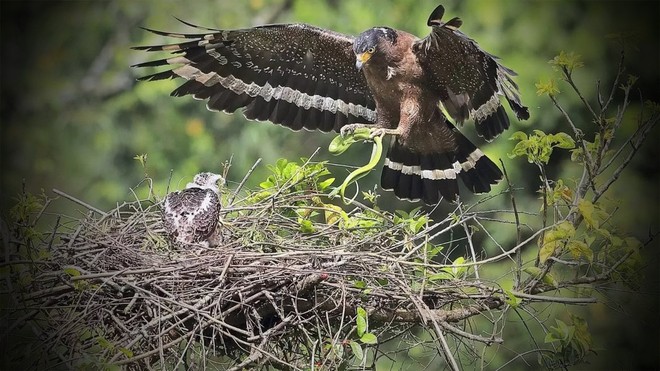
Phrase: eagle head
(207, 181)
(368, 43)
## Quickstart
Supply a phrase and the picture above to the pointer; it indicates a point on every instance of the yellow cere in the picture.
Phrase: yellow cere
(363, 57)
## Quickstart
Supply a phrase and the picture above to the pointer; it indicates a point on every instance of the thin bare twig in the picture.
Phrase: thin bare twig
(79, 202)
(242, 183)
(518, 255)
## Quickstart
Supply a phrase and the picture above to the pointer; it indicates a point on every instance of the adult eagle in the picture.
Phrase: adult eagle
(301, 76)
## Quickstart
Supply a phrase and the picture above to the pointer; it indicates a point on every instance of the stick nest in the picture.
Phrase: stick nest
(279, 291)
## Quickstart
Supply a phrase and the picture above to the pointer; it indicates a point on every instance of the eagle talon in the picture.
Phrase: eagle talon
(380, 132)
(349, 129)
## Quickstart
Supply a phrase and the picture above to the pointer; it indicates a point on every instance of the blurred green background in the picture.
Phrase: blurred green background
(73, 116)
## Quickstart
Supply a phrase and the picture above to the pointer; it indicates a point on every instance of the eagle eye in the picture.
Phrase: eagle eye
(371, 50)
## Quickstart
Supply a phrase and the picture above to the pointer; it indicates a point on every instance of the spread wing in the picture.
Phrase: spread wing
(468, 79)
(295, 75)
(191, 215)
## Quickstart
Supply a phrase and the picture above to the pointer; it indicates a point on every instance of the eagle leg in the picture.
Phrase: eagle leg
(377, 132)
(374, 130)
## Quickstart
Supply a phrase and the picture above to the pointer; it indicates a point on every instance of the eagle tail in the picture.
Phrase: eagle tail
(429, 176)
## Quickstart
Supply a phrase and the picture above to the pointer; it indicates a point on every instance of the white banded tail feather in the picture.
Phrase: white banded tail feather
(430, 176)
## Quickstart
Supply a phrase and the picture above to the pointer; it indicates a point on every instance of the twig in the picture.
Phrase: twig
(569, 79)
(127, 272)
(258, 351)
(602, 276)
(554, 299)
(467, 335)
(615, 85)
(240, 185)
(635, 147)
(446, 351)
(579, 136)
(79, 202)
(468, 235)
(518, 255)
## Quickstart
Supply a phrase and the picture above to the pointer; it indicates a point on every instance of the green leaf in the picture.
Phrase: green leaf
(548, 87)
(567, 61)
(458, 271)
(518, 135)
(417, 224)
(591, 213)
(360, 285)
(550, 280)
(512, 299)
(452, 271)
(441, 276)
(26, 205)
(142, 159)
(520, 149)
(554, 240)
(369, 338)
(577, 155)
(85, 335)
(538, 147)
(580, 249)
(548, 249)
(370, 196)
(558, 193)
(326, 183)
(605, 233)
(563, 140)
(306, 226)
(127, 352)
(586, 208)
(566, 228)
(104, 343)
(334, 214)
(561, 333)
(361, 321)
(268, 183)
(632, 243)
(582, 336)
(433, 250)
(550, 337)
(565, 331)
(383, 281)
(357, 349)
(535, 272)
(73, 272)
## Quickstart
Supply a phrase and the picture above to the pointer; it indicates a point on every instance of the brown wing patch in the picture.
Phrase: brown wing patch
(468, 80)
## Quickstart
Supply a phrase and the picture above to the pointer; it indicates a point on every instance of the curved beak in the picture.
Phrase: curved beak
(362, 58)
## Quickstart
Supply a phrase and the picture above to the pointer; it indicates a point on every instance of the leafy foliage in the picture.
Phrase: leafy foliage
(574, 340)
(566, 62)
(548, 87)
(539, 146)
